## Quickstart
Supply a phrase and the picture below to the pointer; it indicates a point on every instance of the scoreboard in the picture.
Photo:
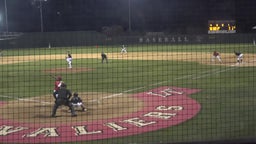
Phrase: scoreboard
(221, 26)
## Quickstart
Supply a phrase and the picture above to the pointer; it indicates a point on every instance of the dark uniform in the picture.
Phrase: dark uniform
(77, 101)
(63, 99)
(104, 57)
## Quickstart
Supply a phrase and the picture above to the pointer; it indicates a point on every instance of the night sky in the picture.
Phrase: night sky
(173, 16)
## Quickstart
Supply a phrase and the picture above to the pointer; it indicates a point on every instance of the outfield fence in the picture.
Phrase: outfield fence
(93, 38)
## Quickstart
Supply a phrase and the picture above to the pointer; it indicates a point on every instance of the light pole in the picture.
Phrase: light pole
(6, 16)
(130, 28)
(41, 14)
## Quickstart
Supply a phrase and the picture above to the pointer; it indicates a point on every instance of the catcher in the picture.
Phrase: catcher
(77, 101)
(63, 99)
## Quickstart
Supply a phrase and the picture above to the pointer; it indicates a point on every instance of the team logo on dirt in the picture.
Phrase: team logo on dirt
(163, 107)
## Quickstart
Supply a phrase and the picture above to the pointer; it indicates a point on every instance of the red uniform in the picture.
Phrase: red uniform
(57, 85)
(216, 55)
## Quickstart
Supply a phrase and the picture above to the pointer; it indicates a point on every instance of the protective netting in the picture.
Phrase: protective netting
(159, 76)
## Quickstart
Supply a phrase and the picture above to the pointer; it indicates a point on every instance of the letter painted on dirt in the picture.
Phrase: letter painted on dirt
(163, 107)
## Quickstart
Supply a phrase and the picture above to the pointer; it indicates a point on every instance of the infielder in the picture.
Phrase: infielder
(77, 101)
(239, 56)
(63, 99)
(216, 55)
(123, 49)
(104, 57)
(69, 60)
(57, 85)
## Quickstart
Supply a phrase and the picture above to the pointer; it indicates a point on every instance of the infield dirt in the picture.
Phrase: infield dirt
(200, 57)
(99, 105)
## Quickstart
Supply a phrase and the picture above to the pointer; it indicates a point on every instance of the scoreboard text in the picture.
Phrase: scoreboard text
(221, 26)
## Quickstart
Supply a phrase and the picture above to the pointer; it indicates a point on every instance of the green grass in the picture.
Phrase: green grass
(227, 97)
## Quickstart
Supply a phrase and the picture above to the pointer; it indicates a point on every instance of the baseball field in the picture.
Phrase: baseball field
(152, 94)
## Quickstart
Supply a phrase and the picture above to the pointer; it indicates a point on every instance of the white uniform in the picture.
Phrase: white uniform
(239, 57)
(123, 50)
(77, 104)
(69, 60)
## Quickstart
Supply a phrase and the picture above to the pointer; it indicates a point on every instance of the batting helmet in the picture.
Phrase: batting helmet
(59, 78)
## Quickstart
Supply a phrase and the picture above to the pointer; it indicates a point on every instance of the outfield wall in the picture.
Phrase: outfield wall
(87, 38)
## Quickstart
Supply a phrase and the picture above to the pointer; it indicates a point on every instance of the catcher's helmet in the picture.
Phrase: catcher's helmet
(75, 94)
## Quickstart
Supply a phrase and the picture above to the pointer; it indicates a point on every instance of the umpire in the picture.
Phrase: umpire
(104, 57)
(63, 99)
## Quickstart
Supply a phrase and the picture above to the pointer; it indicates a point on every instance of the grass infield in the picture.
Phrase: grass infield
(227, 97)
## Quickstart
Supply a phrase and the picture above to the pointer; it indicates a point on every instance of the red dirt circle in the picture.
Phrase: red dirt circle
(162, 107)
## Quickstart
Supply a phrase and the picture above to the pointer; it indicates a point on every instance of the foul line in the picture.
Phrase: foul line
(22, 99)
(210, 74)
(192, 76)
(216, 72)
